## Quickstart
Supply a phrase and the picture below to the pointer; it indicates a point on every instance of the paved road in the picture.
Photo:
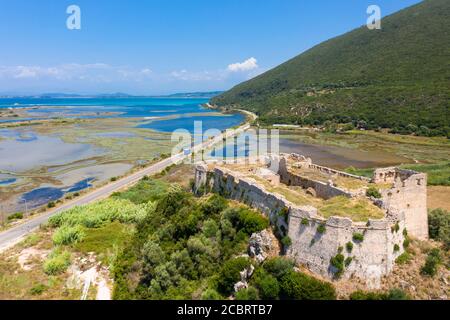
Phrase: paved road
(15, 234)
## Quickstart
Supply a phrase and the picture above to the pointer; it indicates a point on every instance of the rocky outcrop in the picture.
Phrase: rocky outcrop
(263, 245)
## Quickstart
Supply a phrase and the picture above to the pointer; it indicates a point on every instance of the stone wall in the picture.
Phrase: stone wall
(323, 190)
(371, 258)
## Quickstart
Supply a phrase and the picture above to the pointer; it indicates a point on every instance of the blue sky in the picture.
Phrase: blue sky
(163, 46)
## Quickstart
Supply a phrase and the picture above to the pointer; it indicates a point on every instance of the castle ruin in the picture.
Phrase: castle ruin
(333, 227)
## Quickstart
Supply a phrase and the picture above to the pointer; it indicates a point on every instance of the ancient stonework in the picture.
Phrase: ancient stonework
(336, 246)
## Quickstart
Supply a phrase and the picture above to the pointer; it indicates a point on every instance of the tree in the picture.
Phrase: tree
(298, 286)
(230, 274)
(268, 286)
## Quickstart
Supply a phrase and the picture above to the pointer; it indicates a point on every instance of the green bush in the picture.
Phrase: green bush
(146, 190)
(298, 286)
(247, 220)
(57, 262)
(439, 226)
(15, 216)
(321, 228)
(393, 294)
(348, 261)
(211, 294)
(432, 263)
(251, 293)
(349, 246)
(358, 237)
(404, 258)
(51, 204)
(268, 286)
(286, 241)
(396, 247)
(406, 243)
(305, 222)
(279, 266)
(97, 214)
(373, 192)
(338, 263)
(215, 205)
(67, 235)
(230, 274)
(38, 289)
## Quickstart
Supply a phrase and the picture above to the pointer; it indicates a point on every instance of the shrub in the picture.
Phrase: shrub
(51, 204)
(439, 226)
(97, 214)
(348, 261)
(113, 179)
(286, 241)
(395, 228)
(406, 243)
(338, 263)
(432, 263)
(403, 258)
(393, 294)
(284, 213)
(38, 289)
(215, 205)
(349, 246)
(373, 192)
(396, 247)
(363, 295)
(268, 286)
(67, 235)
(305, 222)
(397, 294)
(298, 286)
(321, 228)
(230, 274)
(251, 293)
(358, 237)
(15, 216)
(57, 262)
(278, 266)
(211, 294)
(248, 221)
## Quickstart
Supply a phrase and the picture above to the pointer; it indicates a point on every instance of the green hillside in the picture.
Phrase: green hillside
(397, 77)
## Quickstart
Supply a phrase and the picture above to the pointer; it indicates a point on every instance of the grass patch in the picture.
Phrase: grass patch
(103, 240)
(438, 174)
(67, 235)
(356, 209)
(57, 262)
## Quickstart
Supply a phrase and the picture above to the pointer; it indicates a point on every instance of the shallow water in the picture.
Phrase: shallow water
(19, 154)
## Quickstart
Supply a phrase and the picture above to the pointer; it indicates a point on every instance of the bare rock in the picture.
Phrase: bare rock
(262, 245)
(311, 192)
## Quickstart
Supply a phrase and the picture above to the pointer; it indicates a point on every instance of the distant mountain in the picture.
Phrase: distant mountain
(205, 95)
(397, 77)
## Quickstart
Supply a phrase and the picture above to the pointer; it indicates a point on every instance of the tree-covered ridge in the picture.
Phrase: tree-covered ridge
(397, 77)
(194, 248)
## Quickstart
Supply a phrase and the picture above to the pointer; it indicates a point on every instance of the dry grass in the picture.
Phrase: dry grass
(357, 209)
(438, 197)
(17, 283)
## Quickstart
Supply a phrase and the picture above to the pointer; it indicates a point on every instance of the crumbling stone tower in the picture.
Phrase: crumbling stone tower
(408, 195)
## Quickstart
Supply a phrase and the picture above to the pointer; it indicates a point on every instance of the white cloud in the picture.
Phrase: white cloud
(247, 65)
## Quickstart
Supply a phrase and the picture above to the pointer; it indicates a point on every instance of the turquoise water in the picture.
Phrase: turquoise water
(129, 108)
